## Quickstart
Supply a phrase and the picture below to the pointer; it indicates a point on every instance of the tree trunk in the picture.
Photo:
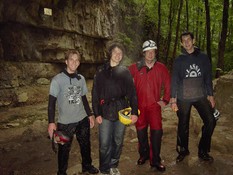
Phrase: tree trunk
(177, 30)
(222, 42)
(198, 22)
(187, 16)
(159, 28)
(169, 36)
(208, 37)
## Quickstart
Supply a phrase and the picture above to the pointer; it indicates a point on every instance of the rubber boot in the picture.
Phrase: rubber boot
(143, 146)
(155, 138)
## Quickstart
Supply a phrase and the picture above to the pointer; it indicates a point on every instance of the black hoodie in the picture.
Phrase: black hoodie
(113, 90)
(191, 76)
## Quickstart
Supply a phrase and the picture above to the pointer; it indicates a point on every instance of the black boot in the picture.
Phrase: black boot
(156, 136)
(144, 149)
(90, 169)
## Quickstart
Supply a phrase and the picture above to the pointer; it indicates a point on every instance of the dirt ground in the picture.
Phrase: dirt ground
(26, 150)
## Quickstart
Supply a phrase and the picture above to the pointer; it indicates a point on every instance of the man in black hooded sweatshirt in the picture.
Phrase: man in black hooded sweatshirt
(192, 86)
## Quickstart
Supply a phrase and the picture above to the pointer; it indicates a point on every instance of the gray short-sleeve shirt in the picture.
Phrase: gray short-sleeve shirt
(69, 92)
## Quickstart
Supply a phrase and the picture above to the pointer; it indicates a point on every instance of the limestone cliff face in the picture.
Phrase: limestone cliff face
(27, 33)
(34, 34)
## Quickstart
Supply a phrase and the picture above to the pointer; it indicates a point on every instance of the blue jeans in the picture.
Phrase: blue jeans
(206, 113)
(111, 136)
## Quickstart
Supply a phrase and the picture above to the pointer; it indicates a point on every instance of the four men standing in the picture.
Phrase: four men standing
(148, 89)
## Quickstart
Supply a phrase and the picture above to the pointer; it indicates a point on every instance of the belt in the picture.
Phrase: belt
(107, 101)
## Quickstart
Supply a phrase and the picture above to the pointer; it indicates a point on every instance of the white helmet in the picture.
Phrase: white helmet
(148, 45)
(216, 114)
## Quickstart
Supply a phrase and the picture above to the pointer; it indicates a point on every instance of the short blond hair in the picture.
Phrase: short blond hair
(72, 52)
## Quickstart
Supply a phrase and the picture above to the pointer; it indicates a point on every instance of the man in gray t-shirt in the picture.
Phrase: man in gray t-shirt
(69, 90)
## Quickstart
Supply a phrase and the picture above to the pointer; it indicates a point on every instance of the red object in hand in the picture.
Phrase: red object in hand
(60, 137)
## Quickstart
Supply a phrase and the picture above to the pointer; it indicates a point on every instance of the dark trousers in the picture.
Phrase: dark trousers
(206, 113)
(82, 132)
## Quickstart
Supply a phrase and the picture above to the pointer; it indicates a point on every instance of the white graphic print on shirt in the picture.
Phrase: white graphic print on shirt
(193, 71)
(73, 94)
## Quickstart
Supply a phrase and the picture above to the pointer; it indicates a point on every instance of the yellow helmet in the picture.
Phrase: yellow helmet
(124, 116)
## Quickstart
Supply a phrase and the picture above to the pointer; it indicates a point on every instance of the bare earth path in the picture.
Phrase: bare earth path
(26, 150)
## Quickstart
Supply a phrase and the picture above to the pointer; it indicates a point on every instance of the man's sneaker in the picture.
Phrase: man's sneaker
(114, 171)
(90, 169)
(181, 156)
(205, 157)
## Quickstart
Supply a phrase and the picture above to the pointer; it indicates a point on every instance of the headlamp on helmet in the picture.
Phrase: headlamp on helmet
(149, 45)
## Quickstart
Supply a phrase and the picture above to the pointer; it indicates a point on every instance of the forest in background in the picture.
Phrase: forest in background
(211, 21)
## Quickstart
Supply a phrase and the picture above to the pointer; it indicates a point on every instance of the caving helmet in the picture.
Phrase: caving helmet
(124, 116)
(216, 114)
(60, 137)
(148, 45)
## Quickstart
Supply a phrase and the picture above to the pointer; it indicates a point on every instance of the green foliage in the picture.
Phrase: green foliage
(228, 58)
(140, 22)
(126, 41)
(131, 27)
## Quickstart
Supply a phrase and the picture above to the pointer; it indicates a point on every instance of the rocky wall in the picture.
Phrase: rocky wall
(34, 35)
(27, 33)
